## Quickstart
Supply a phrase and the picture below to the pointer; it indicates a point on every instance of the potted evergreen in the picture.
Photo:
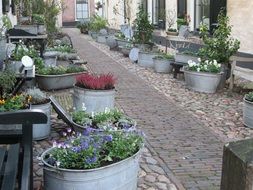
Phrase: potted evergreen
(94, 161)
(94, 93)
(248, 110)
(110, 119)
(220, 46)
(39, 20)
(162, 63)
(39, 100)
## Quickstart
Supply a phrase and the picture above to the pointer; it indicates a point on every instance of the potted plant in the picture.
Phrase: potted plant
(58, 77)
(248, 110)
(83, 27)
(122, 40)
(94, 92)
(39, 20)
(125, 50)
(7, 82)
(145, 58)
(143, 29)
(203, 76)
(93, 160)
(220, 46)
(162, 63)
(96, 24)
(39, 100)
(110, 119)
(185, 56)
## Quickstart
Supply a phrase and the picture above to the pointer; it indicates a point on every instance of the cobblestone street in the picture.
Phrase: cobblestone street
(185, 130)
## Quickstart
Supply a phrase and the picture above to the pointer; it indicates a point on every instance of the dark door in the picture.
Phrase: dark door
(215, 8)
(181, 8)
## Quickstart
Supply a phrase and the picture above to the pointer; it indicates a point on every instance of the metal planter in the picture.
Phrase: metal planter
(55, 82)
(42, 131)
(118, 176)
(145, 59)
(122, 42)
(101, 39)
(247, 113)
(125, 50)
(184, 58)
(162, 65)
(93, 100)
(201, 81)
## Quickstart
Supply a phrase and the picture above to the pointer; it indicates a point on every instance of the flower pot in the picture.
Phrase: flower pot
(145, 59)
(55, 82)
(118, 176)
(184, 58)
(170, 33)
(162, 65)
(111, 42)
(32, 29)
(50, 61)
(125, 50)
(122, 42)
(16, 65)
(247, 113)
(201, 81)
(42, 131)
(101, 39)
(41, 29)
(2, 49)
(93, 100)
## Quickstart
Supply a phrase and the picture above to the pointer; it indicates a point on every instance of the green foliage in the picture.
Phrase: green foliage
(221, 45)
(5, 26)
(59, 70)
(191, 53)
(7, 82)
(144, 28)
(204, 66)
(97, 23)
(63, 49)
(39, 63)
(13, 103)
(36, 96)
(21, 50)
(38, 19)
(120, 35)
(164, 56)
(94, 150)
(84, 27)
(249, 96)
(82, 118)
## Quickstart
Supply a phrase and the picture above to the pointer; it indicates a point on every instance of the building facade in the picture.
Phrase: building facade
(7, 7)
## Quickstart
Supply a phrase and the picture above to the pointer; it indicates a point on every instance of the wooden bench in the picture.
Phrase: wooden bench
(16, 153)
(241, 67)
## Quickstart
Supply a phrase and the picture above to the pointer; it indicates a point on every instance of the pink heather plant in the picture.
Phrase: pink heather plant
(96, 82)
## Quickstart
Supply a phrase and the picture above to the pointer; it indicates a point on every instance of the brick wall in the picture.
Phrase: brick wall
(68, 14)
(241, 15)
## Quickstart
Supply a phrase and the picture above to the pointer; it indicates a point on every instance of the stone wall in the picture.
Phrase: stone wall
(241, 15)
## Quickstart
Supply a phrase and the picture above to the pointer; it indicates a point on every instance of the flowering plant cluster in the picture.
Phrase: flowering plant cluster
(108, 120)
(204, 66)
(94, 149)
(14, 103)
(96, 82)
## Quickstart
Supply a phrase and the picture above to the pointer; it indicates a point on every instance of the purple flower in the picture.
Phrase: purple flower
(76, 149)
(84, 145)
(107, 138)
(87, 131)
(91, 160)
(64, 134)
(69, 130)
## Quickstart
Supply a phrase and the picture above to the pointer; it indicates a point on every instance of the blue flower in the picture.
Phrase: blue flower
(87, 131)
(91, 160)
(84, 145)
(107, 138)
(76, 149)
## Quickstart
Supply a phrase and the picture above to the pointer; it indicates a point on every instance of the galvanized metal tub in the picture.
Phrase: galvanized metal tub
(125, 50)
(145, 59)
(247, 113)
(101, 39)
(184, 58)
(201, 81)
(122, 42)
(55, 82)
(42, 131)
(162, 65)
(118, 176)
(93, 100)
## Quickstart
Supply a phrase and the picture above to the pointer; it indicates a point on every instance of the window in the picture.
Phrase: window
(82, 9)
(159, 14)
(202, 13)
(5, 6)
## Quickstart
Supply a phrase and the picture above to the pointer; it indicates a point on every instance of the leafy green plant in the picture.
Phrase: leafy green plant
(6, 25)
(120, 35)
(36, 96)
(97, 23)
(38, 19)
(94, 150)
(144, 28)
(221, 45)
(21, 50)
(164, 56)
(13, 103)
(59, 70)
(210, 66)
(63, 49)
(7, 82)
(191, 53)
(249, 96)
(84, 27)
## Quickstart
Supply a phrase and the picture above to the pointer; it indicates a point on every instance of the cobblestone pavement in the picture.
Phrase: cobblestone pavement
(187, 130)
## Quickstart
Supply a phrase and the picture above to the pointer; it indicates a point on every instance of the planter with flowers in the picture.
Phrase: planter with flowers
(248, 110)
(59, 77)
(203, 76)
(39, 100)
(163, 62)
(108, 120)
(94, 93)
(94, 161)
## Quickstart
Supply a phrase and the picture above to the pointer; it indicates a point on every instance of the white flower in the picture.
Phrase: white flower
(199, 59)
(198, 69)
(214, 62)
(191, 63)
(58, 163)
(83, 106)
(219, 65)
(107, 110)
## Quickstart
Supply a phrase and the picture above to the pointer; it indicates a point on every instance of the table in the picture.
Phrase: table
(41, 39)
